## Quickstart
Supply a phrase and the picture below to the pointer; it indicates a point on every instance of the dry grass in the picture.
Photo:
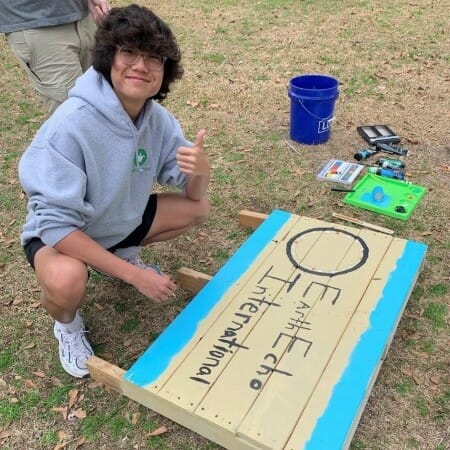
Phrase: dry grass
(392, 61)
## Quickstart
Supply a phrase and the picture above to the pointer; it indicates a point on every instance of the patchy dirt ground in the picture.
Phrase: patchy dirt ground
(392, 61)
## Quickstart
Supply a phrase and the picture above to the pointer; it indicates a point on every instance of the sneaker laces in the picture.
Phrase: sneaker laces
(76, 341)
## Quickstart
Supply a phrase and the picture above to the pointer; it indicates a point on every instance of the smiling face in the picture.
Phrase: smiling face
(134, 83)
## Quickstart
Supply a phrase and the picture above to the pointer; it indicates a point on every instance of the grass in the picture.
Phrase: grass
(238, 58)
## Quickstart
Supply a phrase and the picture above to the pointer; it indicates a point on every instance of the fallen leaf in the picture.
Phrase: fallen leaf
(435, 379)
(73, 394)
(135, 418)
(61, 409)
(39, 374)
(77, 414)
(63, 435)
(3, 384)
(5, 434)
(80, 413)
(30, 384)
(80, 442)
(157, 432)
(29, 346)
(56, 381)
(407, 372)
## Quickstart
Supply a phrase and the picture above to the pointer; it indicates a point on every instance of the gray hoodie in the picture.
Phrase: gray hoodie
(91, 168)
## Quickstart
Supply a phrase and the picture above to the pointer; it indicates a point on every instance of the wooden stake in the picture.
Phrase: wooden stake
(371, 226)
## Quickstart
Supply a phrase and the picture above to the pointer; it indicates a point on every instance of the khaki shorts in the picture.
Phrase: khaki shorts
(54, 57)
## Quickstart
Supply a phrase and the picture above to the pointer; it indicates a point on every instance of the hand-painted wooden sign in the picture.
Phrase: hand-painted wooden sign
(280, 349)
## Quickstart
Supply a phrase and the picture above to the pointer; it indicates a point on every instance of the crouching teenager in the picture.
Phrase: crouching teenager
(89, 172)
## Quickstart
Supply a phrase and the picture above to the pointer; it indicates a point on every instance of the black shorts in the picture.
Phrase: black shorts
(133, 239)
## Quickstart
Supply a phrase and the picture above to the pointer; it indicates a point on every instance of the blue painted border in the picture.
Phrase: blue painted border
(348, 395)
(155, 360)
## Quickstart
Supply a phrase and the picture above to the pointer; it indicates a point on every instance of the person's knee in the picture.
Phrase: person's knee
(203, 210)
(65, 280)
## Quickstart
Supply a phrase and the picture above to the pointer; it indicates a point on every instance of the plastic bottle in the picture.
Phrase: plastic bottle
(388, 173)
(387, 163)
(364, 154)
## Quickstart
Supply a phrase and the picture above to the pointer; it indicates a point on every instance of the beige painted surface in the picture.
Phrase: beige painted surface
(293, 332)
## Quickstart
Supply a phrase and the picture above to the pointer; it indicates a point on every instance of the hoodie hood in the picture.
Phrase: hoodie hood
(90, 167)
(93, 89)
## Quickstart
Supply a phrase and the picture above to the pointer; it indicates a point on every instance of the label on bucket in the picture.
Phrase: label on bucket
(324, 125)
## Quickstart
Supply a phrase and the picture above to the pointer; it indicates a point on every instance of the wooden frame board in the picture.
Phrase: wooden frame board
(280, 349)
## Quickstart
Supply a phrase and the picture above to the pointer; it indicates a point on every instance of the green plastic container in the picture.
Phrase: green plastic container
(399, 199)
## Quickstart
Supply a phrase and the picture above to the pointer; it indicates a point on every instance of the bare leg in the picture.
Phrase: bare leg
(175, 214)
(63, 282)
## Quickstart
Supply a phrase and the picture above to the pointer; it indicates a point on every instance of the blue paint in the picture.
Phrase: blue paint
(368, 197)
(348, 395)
(157, 357)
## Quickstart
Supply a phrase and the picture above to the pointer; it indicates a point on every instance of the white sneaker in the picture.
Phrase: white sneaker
(131, 255)
(74, 351)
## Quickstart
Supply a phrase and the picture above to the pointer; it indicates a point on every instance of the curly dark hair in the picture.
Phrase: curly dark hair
(138, 27)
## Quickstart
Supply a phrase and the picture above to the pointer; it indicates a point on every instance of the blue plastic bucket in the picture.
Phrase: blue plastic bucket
(312, 107)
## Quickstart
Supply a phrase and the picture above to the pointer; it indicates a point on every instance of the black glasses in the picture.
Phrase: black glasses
(130, 56)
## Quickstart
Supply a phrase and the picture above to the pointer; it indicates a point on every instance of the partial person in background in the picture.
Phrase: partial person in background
(52, 41)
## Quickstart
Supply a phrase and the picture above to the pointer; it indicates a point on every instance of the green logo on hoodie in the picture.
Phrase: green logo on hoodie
(140, 157)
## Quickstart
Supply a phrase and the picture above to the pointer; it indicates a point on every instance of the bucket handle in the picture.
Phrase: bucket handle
(309, 112)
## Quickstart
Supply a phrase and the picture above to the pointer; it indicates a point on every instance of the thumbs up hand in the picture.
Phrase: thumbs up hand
(193, 160)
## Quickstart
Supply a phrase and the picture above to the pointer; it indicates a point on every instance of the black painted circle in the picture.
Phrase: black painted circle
(365, 252)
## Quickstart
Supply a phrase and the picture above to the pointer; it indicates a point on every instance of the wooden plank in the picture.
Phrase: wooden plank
(191, 279)
(251, 219)
(371, 226)
(180, 415)
(106, 373)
